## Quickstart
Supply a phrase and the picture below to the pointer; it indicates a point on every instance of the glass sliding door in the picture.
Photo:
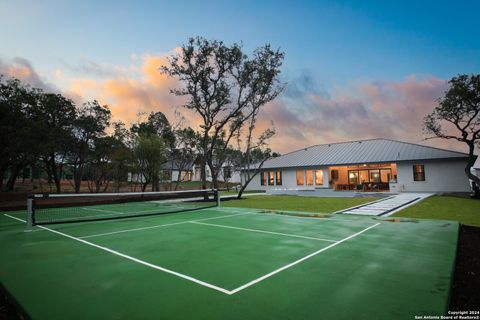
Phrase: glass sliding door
(375, 176)
(363, 176)
(353, 177)
(385, 175)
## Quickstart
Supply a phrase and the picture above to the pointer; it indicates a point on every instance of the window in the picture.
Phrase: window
(263, 178)
(375, 176)
(318, 177)
(363, 176)
(300, 178)
(334, 174)
(385, 175)
(418, 172)
(186, 175)
(309, 174)
(353, 177)
(271, 178)
(279, 178)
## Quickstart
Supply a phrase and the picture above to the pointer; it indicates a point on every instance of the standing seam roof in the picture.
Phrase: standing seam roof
(359, 152)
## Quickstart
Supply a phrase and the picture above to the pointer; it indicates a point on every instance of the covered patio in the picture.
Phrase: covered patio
(373, 177)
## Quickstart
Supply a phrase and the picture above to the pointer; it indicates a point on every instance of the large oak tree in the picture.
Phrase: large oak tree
(457, 117)
(224, 87)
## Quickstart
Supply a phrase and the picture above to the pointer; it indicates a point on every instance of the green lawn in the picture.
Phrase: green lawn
(297, 203)
(465, 211)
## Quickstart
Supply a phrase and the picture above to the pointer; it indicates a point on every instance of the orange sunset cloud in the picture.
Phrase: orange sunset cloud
(388, 109)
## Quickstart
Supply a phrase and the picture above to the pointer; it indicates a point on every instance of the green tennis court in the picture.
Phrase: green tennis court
(228, 263)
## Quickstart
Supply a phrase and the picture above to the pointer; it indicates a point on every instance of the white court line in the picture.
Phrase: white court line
(15, 218)
(180, 275)
(208, 285)
(261, 231)
(160, 226)
(268, 275)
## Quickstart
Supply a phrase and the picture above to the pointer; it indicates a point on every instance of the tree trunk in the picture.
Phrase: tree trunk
(3, 170)
(240, 192)
(178, 180)
(77, 177)
(203, 173)
(54, 173)
(475, 181)
(244, 185)
(468, 168)
(13, 177)
(214, 174)
(58, 185)
(2, 176)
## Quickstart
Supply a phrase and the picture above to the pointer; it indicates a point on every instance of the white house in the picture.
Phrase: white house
(227, 173)
(373, 165)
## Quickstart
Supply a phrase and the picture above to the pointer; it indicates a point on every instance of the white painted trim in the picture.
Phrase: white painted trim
(262, 231)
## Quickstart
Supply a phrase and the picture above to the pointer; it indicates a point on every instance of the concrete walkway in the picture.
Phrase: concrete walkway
(388, 206)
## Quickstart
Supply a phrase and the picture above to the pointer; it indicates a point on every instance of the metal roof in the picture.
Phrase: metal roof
(171, 165)
(360, 152)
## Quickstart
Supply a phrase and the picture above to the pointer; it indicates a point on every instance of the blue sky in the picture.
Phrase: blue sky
(334, 49)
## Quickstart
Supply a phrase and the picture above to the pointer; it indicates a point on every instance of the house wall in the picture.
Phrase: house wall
(440, 176)
(289, 180)
(235, 175)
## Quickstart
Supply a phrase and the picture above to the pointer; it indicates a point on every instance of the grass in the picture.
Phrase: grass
(465, 211)
(297, 203)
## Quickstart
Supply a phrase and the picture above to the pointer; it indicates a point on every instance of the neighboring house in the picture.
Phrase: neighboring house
(171, 171)
(191, 172)
(227, 173)
(168, 173)
(369, 165)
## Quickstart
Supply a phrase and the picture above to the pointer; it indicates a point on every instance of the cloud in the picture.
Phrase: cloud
(144, 90)
(305, 114)
(379, 109)
(87, 67)
(22, 69)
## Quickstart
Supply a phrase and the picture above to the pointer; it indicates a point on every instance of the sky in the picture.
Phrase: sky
(353, 69)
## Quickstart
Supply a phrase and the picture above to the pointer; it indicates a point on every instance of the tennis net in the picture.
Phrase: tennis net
(64, 208)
